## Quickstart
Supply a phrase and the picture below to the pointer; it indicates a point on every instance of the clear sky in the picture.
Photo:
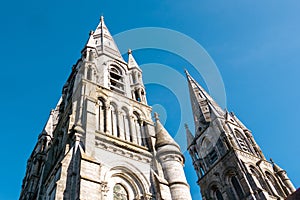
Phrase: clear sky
(254, 44)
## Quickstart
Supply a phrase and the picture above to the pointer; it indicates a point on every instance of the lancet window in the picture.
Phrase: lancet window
(101, 115)
(114, 120)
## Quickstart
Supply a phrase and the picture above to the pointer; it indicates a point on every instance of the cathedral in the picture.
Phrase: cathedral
(101, 143)
(228, 162)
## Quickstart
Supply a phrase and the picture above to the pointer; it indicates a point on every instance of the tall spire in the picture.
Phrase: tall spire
(91, 42)
(202, 103)
(102, 40)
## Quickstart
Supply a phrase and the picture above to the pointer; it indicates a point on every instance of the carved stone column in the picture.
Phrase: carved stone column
(108, 119)
(133, 129)
(121, 125)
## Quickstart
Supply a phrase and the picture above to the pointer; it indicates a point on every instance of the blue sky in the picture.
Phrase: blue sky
(255, 45)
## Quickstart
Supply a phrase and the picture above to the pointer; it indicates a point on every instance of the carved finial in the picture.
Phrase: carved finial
(156, 116)
(101, 18)
(271, 160)
(91, 32)
(129, 51)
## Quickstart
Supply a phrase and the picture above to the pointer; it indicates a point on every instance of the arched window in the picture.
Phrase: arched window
(101, 115)
(137, 95)
(237, 187)
(219, 195)
(242, 141)
(120, 192)
(143, 98)
(274, 185)
(114, 121)
(257, 178)
(116, 79)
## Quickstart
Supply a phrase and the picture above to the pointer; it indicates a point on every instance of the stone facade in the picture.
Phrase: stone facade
(228, 162)
(100, 141)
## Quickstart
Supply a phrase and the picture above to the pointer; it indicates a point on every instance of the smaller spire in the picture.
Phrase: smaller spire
(199, 96)
(189, 136)
(162, 136)
(91, 41)
(131, 61)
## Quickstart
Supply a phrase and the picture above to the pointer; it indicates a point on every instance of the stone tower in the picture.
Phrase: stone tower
(228, 162)
(100, 141)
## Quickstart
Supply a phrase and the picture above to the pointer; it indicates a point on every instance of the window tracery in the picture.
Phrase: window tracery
(242, 141)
